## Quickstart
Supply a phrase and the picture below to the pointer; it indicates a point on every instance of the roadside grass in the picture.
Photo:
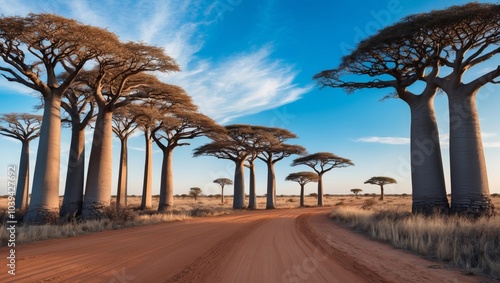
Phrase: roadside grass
(471, 244)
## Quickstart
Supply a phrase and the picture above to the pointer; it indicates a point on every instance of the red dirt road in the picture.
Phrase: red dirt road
(291, 245)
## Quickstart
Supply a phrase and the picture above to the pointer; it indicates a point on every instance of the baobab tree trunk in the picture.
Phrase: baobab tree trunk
(381, 192)
(73, 191)
(239, 185)
(469, 184)
(252, 201)
(23, 179)
(148, 172)
(302, 195)
(429, 191)
(121, 191)
(44, 204)
(271, 186)
(98, 187)
(320, 189)
(222, 193)
(167, 181)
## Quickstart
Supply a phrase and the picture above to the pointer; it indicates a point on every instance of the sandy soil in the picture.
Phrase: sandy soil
(283, 245)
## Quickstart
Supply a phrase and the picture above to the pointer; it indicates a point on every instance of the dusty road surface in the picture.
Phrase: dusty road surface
(286, 245)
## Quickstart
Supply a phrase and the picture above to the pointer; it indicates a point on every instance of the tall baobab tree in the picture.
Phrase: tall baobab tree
(274, 149)
(25, 128)
(302, 178)
(381, 181)
(232, 146)
(175, 127)
(116, 81)
(33, 50)
(222, 183)
(321, 163)
(78, 104)
(396, 58)
(124, 125)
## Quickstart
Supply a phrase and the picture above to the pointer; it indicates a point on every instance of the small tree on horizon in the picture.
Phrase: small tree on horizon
(195, 192)
(381, 181)
(356, 191)
(302, 178)
(223, 182)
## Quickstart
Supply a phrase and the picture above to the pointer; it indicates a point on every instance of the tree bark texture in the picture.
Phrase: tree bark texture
(73, 191)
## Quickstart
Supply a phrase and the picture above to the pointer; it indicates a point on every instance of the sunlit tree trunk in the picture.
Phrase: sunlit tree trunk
(239, 185)
(469, 183)
(73, 192)
(98, 186)
(44, 204)
(167, 181)
(23, 179)
(121, 191)
(148, 172)
(320, 189)
(302, 194)
(429, 191)
(271, 186)
(252, 201)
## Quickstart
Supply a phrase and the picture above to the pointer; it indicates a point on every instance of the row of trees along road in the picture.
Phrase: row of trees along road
(435, 49)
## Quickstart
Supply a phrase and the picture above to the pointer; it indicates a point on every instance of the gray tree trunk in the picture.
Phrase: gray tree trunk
(121, 190)
(381, 192)
(429, 191)
(271, 186)
(320, 189)
(252, 201)
(148, 172)
(73, 191)
(23, 179)
(222, 195)
(302, 195)
(44, 204)
(167, 181)
(98, 187)
(469, 183)
(239, 185)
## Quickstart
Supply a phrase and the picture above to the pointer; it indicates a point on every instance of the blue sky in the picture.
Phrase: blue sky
(252, 62)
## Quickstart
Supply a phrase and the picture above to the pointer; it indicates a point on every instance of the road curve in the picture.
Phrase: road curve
(283, 245)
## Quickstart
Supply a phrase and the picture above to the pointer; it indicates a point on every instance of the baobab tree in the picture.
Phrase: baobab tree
(195, 192)
(25, 128)
(356, 192)
(223, 182)
(381, 181)
(124, 125)
(174, 128)
(232, 146)
(116, 81)
(33, 50)
(396, 58)
(302, 178)
(321, 163)
(274, 149)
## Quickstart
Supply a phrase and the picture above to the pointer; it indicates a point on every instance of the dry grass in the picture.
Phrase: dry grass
(467, 243)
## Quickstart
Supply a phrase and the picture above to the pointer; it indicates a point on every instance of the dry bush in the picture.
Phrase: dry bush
(472, 244)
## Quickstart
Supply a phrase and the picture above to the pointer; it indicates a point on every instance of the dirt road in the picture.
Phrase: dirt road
(291, 245)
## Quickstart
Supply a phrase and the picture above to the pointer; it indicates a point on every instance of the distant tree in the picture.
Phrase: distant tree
(404, 195)
(25, 128)
(321, 163)
(314, 195)
(302, 178)
(223, 182)
(195, 192)
(381, 181)
(356, 191)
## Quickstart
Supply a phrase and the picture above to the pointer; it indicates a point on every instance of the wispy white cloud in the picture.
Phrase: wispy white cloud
(384, 140)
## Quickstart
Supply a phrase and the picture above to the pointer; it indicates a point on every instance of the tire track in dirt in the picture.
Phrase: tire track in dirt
(343, 259)
(206, 263)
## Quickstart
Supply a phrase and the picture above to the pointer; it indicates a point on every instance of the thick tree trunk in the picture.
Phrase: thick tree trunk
(252, 201)
(429, 191)
(121, 190)
(148, 172)
(23, 180)
(98, 187)
(73, 191)
(381, 192)
(44, 204)
(302, 195)
(320, 190)
(469, 183)
(167, 182)
(239, 185)
(271, 186)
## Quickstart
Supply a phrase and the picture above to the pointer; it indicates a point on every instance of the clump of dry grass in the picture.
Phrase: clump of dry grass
(472, 244)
